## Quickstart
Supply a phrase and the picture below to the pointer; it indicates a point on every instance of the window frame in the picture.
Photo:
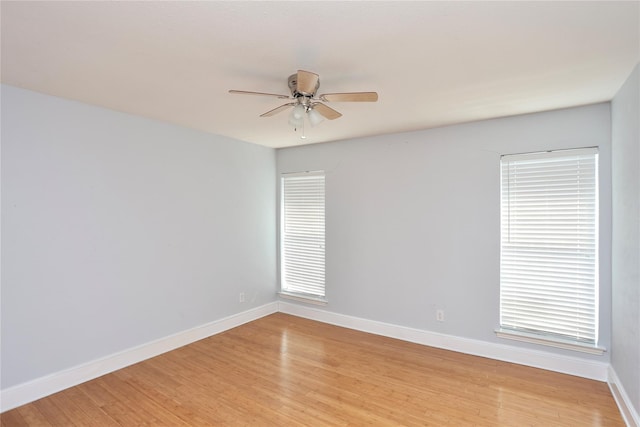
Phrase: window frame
(541, 336)
(292, 292)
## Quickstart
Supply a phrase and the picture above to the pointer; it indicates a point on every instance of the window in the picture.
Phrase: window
(302, 235)
(549, 247)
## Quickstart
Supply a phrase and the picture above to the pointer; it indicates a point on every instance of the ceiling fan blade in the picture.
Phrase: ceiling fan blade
(246, 92)
(278, 109)
(307, 82)
(327, 112)
(350, 97)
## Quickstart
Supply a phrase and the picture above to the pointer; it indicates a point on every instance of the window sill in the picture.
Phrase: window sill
(309, 299)
(549, 341)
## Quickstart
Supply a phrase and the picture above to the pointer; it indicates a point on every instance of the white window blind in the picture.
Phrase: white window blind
(549, 244)
(303, 234)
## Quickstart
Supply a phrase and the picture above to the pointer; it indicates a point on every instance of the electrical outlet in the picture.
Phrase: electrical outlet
(241, 298)
(440, 315)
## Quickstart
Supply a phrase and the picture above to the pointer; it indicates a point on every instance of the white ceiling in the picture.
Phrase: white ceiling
(432, 63)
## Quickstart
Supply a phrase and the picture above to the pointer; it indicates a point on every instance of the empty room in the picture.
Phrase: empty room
(320, 213)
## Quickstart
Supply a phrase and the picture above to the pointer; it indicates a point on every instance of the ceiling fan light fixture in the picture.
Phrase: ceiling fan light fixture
(296, 122)
(298, 112)
(296, 118)
(315, 118)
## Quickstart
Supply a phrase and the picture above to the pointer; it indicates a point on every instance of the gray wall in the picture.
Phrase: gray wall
(625, 352)
(413, 219)
(118, 230)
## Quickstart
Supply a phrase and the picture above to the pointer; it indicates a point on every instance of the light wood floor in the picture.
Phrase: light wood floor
(287, 371)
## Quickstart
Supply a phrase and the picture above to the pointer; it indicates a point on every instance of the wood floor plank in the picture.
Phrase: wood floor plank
(13, 418)
(283, 370)
(52, 414)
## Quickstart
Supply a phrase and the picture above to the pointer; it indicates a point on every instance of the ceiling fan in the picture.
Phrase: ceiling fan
(303, 87)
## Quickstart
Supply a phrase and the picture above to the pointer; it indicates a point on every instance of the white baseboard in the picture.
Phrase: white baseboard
(33, 390)
(539, 359)
(629, 413)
